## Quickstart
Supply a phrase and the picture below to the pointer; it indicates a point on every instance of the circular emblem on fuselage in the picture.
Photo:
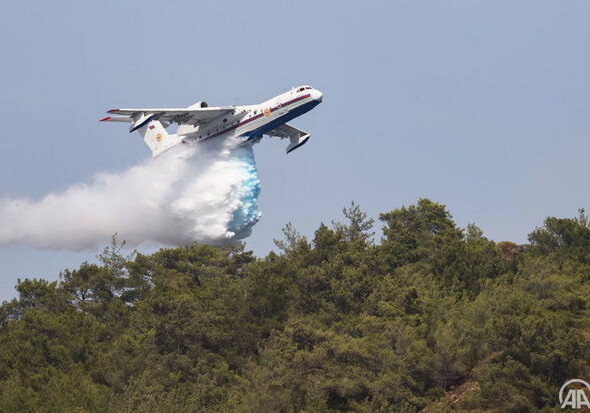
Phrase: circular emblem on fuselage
(267, 112)
(159, 137)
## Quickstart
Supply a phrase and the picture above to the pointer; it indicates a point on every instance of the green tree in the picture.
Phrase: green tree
(358, 226)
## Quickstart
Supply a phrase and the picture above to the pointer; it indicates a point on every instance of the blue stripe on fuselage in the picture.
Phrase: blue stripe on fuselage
(281, 120)
(253, 118)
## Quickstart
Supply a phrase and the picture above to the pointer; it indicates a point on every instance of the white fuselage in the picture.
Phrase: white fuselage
(199, 122)
(253, 121)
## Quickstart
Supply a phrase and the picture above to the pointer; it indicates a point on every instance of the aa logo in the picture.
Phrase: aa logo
(576, 396)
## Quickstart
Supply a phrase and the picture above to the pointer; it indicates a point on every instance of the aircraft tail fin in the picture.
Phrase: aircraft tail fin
(156, 137)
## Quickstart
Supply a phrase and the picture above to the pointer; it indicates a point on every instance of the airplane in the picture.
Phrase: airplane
(200, 122)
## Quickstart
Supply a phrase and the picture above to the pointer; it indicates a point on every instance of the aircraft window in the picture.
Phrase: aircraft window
(301, 89)
(308, 87)
(255, 112)
(224, 120)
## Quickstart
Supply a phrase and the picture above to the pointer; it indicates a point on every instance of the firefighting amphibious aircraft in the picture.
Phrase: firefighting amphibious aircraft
(200, 122)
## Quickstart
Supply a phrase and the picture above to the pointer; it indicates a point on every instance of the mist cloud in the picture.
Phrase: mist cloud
(206, 193)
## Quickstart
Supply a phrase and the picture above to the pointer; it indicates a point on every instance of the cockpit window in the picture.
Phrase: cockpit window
(308, 87)
(301, 89)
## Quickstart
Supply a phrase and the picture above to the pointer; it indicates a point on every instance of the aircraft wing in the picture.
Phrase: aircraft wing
(140, 117)
(297, 137)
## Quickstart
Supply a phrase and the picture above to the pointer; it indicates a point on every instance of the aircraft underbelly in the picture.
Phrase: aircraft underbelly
(281, 120)
(257, 132)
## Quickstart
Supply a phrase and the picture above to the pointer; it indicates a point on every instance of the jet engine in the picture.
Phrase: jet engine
(201, 104)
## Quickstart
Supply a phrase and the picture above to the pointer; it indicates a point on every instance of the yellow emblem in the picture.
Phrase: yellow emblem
(159, 137)
(267, 112)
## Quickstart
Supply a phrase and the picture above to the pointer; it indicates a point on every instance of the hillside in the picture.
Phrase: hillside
(430, 317)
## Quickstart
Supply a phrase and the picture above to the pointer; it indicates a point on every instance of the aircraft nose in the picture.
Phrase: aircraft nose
(318, 95)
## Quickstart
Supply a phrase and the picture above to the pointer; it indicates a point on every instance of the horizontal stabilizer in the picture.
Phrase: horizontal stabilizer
(191, 115)
(117, 119)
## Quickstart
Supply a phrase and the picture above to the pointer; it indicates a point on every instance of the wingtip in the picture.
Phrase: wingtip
(103, 119)
(112, 110)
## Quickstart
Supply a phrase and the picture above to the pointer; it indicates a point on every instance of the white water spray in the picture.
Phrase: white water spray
(206, 193)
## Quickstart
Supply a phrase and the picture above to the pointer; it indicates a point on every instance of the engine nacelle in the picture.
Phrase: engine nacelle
(199, 105)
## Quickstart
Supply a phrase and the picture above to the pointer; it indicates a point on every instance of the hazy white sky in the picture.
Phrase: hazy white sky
(483, 106)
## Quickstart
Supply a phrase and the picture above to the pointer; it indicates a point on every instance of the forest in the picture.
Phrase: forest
(422, 316)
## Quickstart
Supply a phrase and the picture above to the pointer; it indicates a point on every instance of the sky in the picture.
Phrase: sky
(482, 106)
